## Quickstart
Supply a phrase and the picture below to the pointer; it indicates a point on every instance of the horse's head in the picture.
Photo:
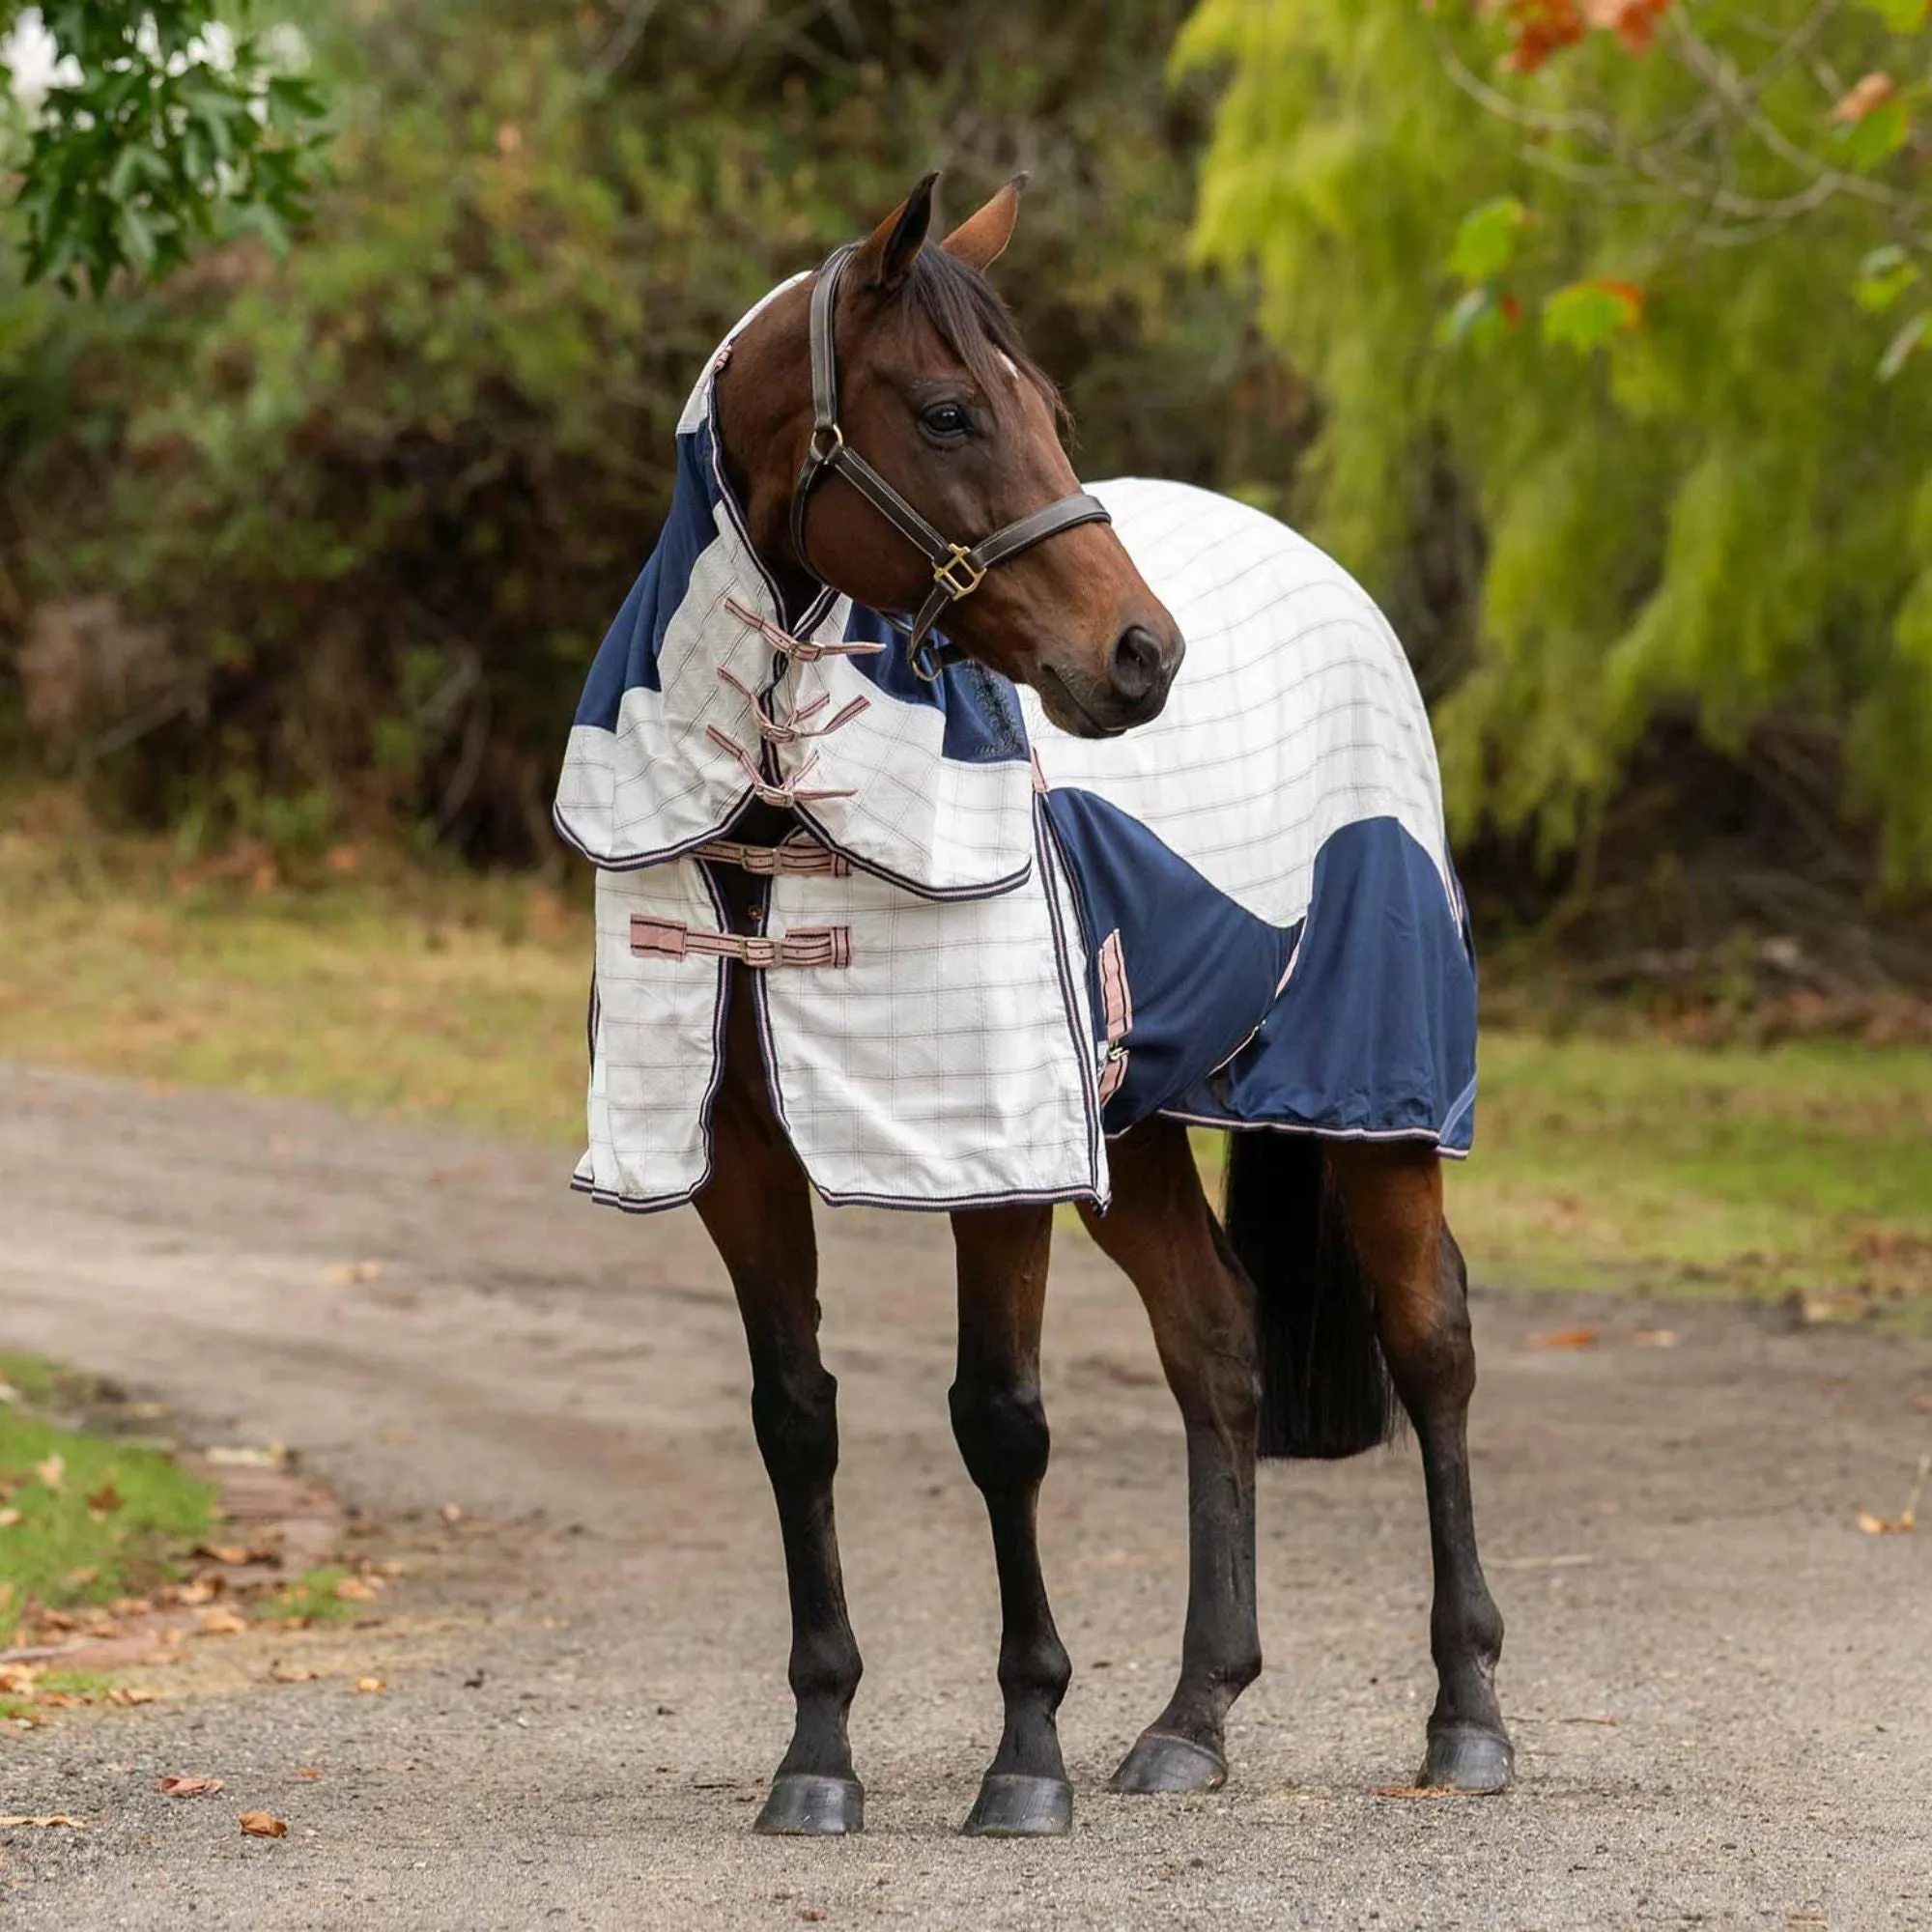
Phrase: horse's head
(937, 394)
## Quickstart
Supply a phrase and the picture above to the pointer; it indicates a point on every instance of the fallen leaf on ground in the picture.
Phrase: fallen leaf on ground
(1878, 1526)
(224, 1552)
(371, 1684)
(79, 1580)
(131, 1606)
(190, 1787)
(42, 1823)
(53, 1471)
(451, 1512)
(308, 1772)
(203, 1590)
(1656, 1338)
(1907, 1520)
(357, 1589)
(105, 1500)
(262, 1825)
(349, 1272)
(221, 1621)
(9, 1518)
(1418, 1791)
(131, 1694)
(291, 1673)
(1815, 1310)
(247, 1457)
(1561, 1338)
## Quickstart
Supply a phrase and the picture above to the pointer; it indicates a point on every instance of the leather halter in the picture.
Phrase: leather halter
(956, 568)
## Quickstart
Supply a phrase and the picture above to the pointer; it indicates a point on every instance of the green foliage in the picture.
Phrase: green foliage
(89, 1518)
(365, 514)
(1718, 511)
(162, 128)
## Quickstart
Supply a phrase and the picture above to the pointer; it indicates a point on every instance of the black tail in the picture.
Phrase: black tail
(1326, 1389)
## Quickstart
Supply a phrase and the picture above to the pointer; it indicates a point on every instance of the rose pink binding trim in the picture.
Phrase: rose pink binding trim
(1118, 1010)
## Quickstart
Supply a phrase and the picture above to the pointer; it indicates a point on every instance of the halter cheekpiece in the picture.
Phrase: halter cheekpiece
(956, 568)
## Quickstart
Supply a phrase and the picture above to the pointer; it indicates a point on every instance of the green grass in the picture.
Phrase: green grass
(1630, 1161)
(392, 990)
(89, 1518)
(1804, 1166)
(312, 1596)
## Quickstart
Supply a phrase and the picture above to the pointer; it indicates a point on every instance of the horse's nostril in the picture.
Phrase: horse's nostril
(1136, 662)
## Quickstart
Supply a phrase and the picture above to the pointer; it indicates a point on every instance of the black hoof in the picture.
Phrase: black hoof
(1161, 1761)
(802, 1805)
(1461, 1757)
(1012, 1806)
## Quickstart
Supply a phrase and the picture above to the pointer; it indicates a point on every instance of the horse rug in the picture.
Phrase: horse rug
(988, 945)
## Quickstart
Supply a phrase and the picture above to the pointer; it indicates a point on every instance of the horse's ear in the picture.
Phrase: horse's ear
(980, 240)
(886, 257)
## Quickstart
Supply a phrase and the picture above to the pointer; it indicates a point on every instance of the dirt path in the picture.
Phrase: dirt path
(1723, 1692)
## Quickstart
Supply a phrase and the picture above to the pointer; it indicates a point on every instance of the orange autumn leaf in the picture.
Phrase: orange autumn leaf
(1864, 98)
(190, 1787)
(262, 1825)
(1632, 21)
(1563, 1338)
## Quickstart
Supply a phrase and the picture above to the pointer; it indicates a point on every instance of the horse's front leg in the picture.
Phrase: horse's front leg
(757, 1208)
(1001, 1428)
(1394, 1200)
(1163, 1235)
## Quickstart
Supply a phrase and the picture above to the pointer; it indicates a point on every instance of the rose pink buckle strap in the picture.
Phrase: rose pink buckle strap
(797, 726)
(1117, 1003)
(802, 946)
(787, 794)
(799, 859)
(805, 650)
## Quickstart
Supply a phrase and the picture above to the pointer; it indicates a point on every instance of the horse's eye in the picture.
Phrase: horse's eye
(946, 419)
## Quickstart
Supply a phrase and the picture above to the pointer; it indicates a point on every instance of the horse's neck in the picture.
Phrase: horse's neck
(745, 420)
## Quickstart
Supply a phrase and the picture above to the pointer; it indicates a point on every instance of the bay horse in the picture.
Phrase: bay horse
(856, 421)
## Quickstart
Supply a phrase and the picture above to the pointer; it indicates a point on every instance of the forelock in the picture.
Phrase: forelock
(974, 322)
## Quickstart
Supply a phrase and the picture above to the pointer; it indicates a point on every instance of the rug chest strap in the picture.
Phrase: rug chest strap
(802, 946)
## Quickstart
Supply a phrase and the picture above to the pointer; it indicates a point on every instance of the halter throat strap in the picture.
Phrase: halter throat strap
(957, 569)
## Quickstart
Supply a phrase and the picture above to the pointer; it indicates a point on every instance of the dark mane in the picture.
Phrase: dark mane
(973, 322)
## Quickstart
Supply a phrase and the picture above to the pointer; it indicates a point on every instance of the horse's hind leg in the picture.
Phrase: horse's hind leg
(1161, 1231)
(758, 1210)
(1000, 1428)
(1394, 1200)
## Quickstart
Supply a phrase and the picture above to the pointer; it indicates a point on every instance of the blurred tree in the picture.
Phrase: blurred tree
(1694, 490)
(361, 517)
(152, 126)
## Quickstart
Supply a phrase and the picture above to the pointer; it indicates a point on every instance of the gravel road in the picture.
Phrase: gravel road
(1721, 1690)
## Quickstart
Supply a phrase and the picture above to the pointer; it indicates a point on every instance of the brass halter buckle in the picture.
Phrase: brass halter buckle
(960, 576)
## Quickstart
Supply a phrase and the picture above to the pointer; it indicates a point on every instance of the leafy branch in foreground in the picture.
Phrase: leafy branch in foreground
(160, 129)
(1760, 120)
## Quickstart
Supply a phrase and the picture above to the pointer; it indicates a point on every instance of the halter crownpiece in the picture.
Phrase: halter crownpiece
(957, 569)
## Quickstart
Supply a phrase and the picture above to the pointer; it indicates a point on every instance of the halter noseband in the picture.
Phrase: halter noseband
(956, 568)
